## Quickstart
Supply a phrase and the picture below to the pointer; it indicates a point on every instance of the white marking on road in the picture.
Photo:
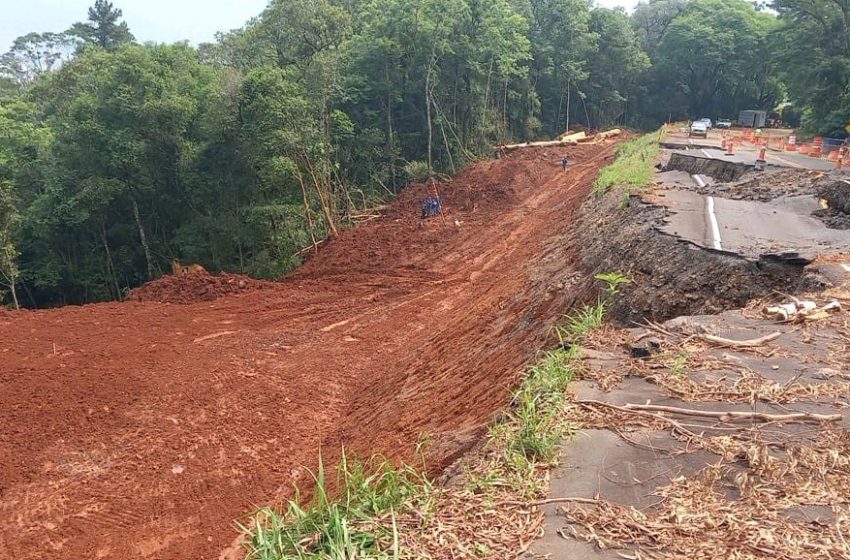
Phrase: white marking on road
(787, 162)
(846, 267)
(715, 228)
(708, 155)
(698, 180)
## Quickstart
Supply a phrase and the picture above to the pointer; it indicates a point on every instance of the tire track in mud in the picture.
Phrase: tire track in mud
(138, 430)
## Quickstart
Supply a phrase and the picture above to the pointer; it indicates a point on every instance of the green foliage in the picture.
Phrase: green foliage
(811, 52)
(612, 281)
(633, 167)
(417, 171)
(103, 28)
(8, 253)
(240, 154)
(35, 54)
(538, 407)
(711, 58)
(339, 522)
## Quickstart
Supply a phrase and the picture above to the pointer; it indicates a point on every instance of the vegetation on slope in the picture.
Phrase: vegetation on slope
(382, 512)
(633, 167)
(116, 157)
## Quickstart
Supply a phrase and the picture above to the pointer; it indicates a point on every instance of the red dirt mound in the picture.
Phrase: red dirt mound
(194, 287)
(143, 431)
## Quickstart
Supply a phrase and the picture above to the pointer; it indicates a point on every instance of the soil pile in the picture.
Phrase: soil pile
(837, 196)
(194, 287)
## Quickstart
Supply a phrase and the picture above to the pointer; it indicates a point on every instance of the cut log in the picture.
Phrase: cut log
(571, 139)
(609, 134)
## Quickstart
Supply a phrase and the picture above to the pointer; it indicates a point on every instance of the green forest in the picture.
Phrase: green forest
(117, 157)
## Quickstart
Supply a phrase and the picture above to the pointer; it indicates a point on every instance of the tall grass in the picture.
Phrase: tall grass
(633, 166)
(342, 526)
(537, 419)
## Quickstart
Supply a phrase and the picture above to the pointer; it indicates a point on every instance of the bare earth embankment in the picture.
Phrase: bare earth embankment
(143, 429)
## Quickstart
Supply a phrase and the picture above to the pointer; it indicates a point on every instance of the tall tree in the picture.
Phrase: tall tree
(710, 55)
(651, 20)
(812, 51)
(34, 54)
(614, 69)
(103, 27)
(8, 252)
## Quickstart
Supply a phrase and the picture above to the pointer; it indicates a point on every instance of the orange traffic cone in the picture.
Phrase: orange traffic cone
(729, 151)
(761, 160)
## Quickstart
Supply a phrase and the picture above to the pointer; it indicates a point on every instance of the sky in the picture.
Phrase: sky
(162, 21)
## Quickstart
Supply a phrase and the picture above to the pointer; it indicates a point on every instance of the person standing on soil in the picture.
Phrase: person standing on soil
(565, 162)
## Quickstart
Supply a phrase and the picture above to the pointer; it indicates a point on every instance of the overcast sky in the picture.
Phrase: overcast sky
(164, 21)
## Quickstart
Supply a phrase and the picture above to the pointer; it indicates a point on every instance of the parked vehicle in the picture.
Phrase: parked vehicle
(752, 119)
(723, 123)
(698, 128)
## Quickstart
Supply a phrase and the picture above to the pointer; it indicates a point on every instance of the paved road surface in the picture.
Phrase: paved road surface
(752, 229)
(710, 148)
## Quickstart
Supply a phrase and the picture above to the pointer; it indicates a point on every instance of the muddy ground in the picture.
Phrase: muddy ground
(144, 429)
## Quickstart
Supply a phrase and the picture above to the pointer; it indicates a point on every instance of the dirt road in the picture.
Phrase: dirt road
(142, 430)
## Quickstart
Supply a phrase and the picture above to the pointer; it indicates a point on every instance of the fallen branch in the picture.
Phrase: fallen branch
(736, 415)
(537, 503)
(752, 343)
(677, 427)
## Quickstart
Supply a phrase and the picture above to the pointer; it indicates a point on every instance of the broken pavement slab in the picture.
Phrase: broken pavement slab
(645, 465)
(750, 229)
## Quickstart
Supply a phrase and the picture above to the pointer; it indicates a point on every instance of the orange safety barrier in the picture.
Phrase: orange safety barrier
(816, 151)
(804, 149)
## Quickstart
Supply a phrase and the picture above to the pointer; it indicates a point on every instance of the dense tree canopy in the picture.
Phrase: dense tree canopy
(244, 153)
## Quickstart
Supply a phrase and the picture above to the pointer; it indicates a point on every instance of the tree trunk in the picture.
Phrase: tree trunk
(14, 294)
(390, 134)
(428, 118)
(446, 140)
(143, 238)
(307, 212)
(110, 266)
(324, 202)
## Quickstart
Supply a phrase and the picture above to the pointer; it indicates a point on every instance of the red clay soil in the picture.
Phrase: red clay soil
(195, 287)
(143, 430)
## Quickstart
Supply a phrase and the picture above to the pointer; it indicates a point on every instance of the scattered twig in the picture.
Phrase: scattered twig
(731, 415)
(751, 343)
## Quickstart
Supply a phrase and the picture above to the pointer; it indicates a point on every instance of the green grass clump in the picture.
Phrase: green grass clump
(537, 419)
(343, 526)
(633, 166)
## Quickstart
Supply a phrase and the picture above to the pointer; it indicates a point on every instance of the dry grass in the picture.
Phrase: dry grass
(739, 507)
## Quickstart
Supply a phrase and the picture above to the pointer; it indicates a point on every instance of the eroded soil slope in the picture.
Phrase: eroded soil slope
(142, 430)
